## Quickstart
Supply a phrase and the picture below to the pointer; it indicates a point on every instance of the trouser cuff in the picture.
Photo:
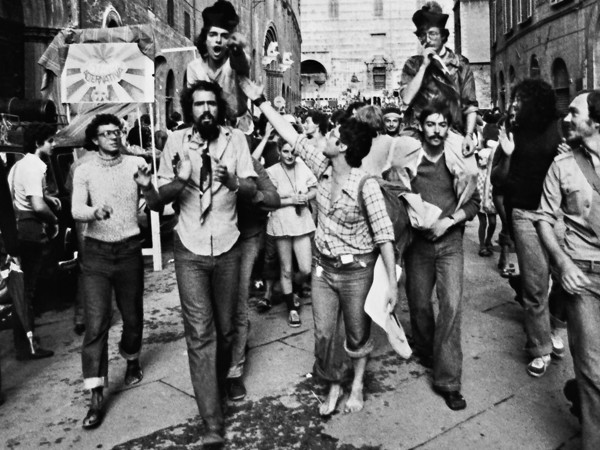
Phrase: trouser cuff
(129, 356)
(95, 382)
(361, 352)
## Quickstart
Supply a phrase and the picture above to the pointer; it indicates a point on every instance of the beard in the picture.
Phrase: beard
(207, 127)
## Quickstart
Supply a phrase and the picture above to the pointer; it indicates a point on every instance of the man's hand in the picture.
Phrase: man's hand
(143, 177)
(250, 88)
(563, 147)
(53, 202)
(391, 296)
(506, 141)
(236, 42)
(572, 278)
(222, 175)
(439, 228)
(184, 167)
(428, 53)
(468, 145)
(104, 212)
(299, 199)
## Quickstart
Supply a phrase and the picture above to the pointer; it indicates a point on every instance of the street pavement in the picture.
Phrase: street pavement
(506, 408)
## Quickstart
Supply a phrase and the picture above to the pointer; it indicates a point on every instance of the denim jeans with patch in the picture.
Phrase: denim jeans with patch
(208, 291)
(107, 267)
(438, 265)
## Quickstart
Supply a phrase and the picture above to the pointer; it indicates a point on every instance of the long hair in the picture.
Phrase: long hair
(538, 105)
(187, 100)
(593, 103)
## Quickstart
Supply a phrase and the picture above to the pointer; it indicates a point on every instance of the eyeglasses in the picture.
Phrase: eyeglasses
(433, 34)
(111, 133)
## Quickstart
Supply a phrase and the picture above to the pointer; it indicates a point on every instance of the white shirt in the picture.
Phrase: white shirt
(27, 178)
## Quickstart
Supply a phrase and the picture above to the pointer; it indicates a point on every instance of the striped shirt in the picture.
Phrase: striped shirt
(342, 228)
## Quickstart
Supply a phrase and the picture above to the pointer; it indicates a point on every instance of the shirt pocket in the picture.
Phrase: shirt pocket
(574, 199)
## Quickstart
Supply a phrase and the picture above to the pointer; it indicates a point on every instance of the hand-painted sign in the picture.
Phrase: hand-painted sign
(107, 73)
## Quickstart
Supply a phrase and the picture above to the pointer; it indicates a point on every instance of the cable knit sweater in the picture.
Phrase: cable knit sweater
(108, 182)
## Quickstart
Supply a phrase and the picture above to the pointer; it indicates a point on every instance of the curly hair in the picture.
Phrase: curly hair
(187, 100)
(91, 132)
(373, 116)
(358, 137)
(319, 119)
(538, 104)
(35, 134)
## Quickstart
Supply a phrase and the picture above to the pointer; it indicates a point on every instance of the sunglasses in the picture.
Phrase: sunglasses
(111, 133)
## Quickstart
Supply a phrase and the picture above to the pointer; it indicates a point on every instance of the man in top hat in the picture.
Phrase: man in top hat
(392, 120)
(438, 72)
(223, 60)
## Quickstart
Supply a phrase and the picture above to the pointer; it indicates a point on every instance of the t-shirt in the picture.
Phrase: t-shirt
(27, 178)
(435, 184)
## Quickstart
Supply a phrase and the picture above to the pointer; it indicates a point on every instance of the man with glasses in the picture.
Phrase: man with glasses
(203, 169)
(439, 73)
(106, 192)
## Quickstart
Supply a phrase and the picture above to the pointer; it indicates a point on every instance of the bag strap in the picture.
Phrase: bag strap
(588, 170)
(361, 201)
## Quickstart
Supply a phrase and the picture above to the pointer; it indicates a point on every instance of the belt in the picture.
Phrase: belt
(137, 237)
(587, 265)
(338, 261)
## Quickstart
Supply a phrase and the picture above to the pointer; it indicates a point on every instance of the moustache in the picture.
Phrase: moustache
(206, 116)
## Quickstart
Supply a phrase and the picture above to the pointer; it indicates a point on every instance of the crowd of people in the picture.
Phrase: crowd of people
(303, 199)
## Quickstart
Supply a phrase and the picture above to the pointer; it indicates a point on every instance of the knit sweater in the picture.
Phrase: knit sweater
(108, 182)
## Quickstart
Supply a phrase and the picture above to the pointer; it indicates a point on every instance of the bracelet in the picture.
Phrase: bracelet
(259, 101)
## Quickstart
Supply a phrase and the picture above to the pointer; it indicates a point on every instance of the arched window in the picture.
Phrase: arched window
(534, 67)
(169, 93)
(334, 9)
(378, 10)
(111, 18)
(171, 12)
(187, 25)
(561, 84)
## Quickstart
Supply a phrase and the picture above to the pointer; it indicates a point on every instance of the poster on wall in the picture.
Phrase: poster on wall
(107, 73)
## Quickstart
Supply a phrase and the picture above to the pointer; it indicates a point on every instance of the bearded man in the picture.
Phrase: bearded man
(202, 169)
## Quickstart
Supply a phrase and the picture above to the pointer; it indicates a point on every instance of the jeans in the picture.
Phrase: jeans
(438, 264)
(249, 249)
(109, 266)
(342, 328)
(535, 273)
(583, 325)
(208, 291)
(78, 314)
(34, 255)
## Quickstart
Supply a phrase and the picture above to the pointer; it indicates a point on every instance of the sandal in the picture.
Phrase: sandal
(294, 319)
(508, 271)
(263, 305)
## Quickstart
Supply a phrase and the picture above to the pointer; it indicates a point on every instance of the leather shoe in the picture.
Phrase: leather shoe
(453, 399)
(133, 374)
(93, 418)
(38, 354)
(212, 439)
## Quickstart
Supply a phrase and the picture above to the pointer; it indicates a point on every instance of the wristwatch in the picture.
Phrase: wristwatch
(259, 101)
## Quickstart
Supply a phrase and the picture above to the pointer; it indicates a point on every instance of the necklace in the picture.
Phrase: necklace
(289, 179)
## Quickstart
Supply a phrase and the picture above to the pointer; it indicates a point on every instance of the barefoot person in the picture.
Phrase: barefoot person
(346, 249)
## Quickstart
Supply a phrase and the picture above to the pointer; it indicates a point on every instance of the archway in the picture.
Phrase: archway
(561, 84)
(534, 67)
(169, 94)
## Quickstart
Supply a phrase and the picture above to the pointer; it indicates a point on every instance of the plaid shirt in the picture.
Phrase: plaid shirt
(342, 228)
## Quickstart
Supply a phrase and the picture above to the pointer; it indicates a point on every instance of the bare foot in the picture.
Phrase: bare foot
(328, 406)
(355, 402)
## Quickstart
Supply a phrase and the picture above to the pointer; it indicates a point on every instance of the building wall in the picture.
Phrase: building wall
(472, 41)
(564, 30)
(351, 44)
(41, 20)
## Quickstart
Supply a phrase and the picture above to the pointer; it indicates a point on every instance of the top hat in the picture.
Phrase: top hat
(222, 14)
(430, 15)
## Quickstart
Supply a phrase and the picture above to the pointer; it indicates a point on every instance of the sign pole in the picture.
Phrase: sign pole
(154, 217)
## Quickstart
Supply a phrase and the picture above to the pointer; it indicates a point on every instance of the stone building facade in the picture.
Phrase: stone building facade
(471, 39)
(356, 48)
(556, 40)
(28, 26)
